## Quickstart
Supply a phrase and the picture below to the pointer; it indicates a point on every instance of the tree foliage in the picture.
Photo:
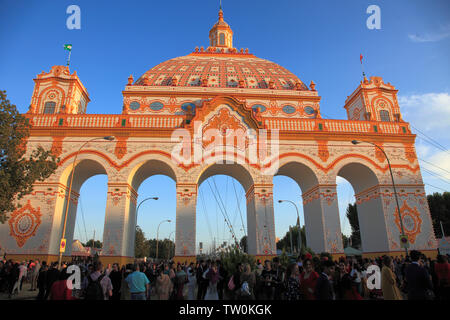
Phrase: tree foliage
(141, 246)
(93, 244)
(18, 171)
(232, 255)
(285, 242)
(352, 216)
(440, 212)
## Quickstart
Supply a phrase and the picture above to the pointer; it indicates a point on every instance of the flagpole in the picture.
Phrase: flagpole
(68, 60)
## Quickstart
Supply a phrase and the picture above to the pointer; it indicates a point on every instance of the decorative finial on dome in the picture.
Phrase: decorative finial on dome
(221, 34)
(130, 80)
(312, 85)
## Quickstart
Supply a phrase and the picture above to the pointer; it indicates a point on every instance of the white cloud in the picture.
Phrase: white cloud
(431, 37)
(430, 111)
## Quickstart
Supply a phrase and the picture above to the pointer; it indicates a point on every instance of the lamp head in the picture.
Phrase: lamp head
(280, 201)
(155, 198)
(169, 220)
(109, 138)
(355, 142)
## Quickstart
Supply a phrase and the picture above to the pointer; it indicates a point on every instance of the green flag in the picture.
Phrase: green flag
(68, 47)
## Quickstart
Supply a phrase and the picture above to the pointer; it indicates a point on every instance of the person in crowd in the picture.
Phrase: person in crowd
(293, 292)
(59, 289)
(138, 283)
(269, 280)
(442, 272)
(34, 275)
(279, 278)
(97, 285)
(163, 285)
(418, 280)
(180, 280)
(192, 281)
(308, 280)
(213, 277)
(222, 279)
(116, 281)
(324, 287)
(388, 281)
(42, 281)
(13, 278)
(248, 283)
(202, 283)
(52, 276)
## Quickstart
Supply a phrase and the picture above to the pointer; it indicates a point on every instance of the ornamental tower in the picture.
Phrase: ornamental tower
(58, 91)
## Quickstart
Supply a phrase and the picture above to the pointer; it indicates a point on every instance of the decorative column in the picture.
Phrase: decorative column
(185, 224)
(33, 231)
(322, 224)
(261, 240)
(120, 224)
(380, 222)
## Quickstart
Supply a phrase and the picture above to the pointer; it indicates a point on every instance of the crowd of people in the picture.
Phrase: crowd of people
(415, 277)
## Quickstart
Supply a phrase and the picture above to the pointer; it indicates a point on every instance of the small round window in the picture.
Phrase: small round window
(309, 110)
(288, 109)
(134, 105)
(261, 108)
(156, 106)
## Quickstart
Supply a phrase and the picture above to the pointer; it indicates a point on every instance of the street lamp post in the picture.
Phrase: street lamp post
(355, 142)
(170, 235)
(298, 225)
(108, 138)
(137, 209)
(157, 235)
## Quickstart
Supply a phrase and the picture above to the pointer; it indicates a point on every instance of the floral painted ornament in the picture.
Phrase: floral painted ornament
(24, 222)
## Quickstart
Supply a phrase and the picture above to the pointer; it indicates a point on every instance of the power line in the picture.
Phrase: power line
(435, 187)
(82, 215)
(436, 175)
(440, 146)
(239, 207)
(206, 215)
(434, 165)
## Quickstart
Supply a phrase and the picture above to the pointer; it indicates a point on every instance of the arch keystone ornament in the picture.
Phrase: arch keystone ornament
(24, 222)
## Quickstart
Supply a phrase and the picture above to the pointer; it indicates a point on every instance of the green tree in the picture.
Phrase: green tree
(285, 242)
(243, 244)
(18, 172)
(352, 216)
(95, 244)
(141, 245)
(439, 204)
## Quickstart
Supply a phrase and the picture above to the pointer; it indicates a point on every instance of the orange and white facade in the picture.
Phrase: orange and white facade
(191, 107)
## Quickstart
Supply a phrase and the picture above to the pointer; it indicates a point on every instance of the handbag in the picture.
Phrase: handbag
(231, 284)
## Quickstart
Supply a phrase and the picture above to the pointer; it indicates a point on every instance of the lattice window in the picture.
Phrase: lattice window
(384, 115)
(49, 107)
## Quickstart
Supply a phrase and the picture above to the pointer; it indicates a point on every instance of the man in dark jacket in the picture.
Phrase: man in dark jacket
(324, 288)
(418, 280)
(52, 276)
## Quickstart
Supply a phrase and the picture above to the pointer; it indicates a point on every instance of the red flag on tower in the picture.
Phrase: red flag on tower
(361, 58)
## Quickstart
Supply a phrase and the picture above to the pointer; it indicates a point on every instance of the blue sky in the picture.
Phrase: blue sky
(316, 40)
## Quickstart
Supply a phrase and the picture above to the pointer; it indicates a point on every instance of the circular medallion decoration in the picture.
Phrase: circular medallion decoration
(289, 109)
(24, 222)
(260, 107)
(309, 110)
(135, 105)
(156, 106)
(411, 219)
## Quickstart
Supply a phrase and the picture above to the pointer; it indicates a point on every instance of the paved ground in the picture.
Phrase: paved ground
(25, 294)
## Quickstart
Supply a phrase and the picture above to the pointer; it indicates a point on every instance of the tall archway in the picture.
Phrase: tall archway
(371, 219)
(86, 167)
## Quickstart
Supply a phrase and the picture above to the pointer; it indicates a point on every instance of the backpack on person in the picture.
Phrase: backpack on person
(94, 290)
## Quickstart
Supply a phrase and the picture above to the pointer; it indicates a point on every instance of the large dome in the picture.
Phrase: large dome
(221, 66)
(223, 70)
